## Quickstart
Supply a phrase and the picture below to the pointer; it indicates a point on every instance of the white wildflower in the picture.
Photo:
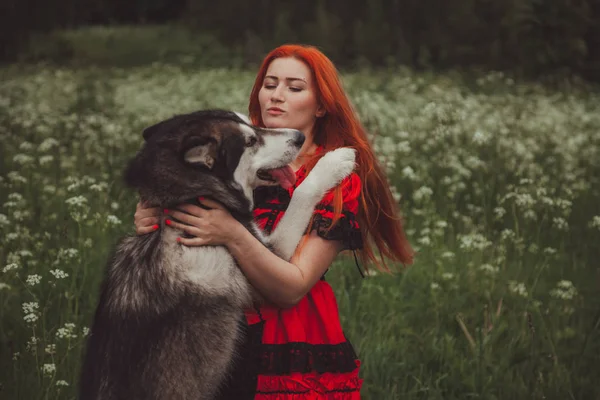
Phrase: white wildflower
(66, 332)
(50, 349)
(15, 177)
(409, 173)
(47, 144)
(594, 223)
(46, 159)
(480, 138)
(25, 146)
(424, 240)
(4, 220)
(474, 241)
(448, 255)
(62, 383)
(564, 290)
(11, 236)
(32, 343)
(499, 212)
(113, 220)
(10, 267)
(422, 193)
(4, 286)
(489, 269)
(517, 288)
(77, 201)
(549, 251)
(560, 223)
(22, 159)
(49, 369)
(507, 234)
(59, 274)
(99, 187)
(33, 280)
(434, 286)
(524, 200)
(49, 189)
(447, 276)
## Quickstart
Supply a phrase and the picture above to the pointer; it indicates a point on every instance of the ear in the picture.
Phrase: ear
(202, 154)
(152, 130)
(320, 111)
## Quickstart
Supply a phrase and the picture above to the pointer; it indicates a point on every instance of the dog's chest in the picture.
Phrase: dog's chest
(211, 268)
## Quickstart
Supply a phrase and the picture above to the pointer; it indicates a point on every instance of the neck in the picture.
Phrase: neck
(307, 150)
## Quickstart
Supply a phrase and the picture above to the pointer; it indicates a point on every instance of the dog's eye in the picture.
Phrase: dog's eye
(252, 141)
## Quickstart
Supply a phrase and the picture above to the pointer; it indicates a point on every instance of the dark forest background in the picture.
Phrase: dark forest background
(527, 37)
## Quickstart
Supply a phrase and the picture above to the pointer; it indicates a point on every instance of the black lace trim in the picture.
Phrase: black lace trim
(344, 230)
(281, 359)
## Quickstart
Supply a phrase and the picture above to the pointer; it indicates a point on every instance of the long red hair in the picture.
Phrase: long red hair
(378, 216)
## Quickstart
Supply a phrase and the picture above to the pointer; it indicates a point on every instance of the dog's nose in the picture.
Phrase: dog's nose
(299, 138)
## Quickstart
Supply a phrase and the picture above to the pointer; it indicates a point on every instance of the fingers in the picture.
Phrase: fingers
(189, 229)
(211, 203)
(190, 209)
(183, 217)
(145, 229)
(191, 241)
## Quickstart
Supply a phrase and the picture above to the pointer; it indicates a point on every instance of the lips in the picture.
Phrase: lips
(275, 110)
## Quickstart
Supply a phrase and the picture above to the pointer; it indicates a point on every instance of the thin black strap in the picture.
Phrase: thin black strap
(357, 266)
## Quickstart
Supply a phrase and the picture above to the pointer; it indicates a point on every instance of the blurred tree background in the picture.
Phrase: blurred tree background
(527, 37)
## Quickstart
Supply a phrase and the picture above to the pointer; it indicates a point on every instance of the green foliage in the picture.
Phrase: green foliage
(527, 37)
(498, 180)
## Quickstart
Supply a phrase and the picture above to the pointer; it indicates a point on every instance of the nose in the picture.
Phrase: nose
(276, 94)
(299, 138)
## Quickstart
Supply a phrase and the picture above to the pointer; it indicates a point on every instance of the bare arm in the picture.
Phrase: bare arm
(282, 283)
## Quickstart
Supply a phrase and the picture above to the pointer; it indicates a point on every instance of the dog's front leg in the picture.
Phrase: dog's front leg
(327, 173)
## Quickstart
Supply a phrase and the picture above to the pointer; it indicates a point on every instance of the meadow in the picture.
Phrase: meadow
(498, 182)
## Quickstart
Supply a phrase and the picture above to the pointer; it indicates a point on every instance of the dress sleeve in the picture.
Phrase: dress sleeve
(346, 228)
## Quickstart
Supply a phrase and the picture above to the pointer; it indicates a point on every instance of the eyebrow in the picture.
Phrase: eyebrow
(287, 79)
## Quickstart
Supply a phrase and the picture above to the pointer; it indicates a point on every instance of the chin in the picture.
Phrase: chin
(274, 123)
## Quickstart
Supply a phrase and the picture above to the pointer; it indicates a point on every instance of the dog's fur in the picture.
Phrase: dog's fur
(166, 325)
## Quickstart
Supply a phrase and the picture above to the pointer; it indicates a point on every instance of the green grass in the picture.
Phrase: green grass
(498, 182)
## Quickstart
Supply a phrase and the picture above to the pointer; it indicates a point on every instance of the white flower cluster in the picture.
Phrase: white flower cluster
(10, 267)
(33, 280)
(77, 201)
(517, 288)
(594, 223)
(49, 369)
(47, 144)
(31, 312)
(475, 241)
(62, 383)
(564, 290)
(50, 349)
(66, 332)
(113, 220)
(489, 269)
(59, 274)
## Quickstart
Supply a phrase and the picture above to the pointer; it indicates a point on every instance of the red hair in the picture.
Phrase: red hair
(378, 215)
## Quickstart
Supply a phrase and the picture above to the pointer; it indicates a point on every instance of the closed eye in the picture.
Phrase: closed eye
(252, 141)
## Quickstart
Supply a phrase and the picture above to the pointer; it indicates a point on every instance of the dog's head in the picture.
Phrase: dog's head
(212, 153)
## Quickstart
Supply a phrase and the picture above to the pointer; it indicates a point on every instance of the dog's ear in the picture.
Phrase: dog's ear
(203, 153)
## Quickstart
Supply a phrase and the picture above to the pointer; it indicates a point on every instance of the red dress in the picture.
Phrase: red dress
(300, 352)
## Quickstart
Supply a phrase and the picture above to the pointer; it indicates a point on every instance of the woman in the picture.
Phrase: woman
(295, 347)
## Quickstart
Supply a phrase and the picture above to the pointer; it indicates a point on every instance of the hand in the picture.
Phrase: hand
(146, 220)
(212, 227)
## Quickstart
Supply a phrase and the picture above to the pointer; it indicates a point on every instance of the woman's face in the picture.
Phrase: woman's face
(288, 97)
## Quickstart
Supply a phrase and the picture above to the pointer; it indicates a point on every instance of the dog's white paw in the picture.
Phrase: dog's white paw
(329, 171)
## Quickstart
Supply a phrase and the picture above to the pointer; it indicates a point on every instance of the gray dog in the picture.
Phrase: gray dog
(166, 325)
